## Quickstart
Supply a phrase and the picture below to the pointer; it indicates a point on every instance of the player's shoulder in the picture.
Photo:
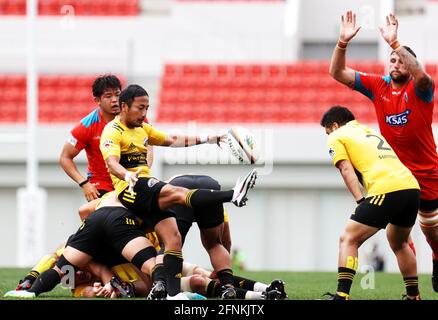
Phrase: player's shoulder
(115, 126)
(92, 118)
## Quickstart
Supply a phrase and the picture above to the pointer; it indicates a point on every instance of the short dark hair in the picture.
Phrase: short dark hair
(408, 49)
(130, 93)
(105, 82)
(338, 114)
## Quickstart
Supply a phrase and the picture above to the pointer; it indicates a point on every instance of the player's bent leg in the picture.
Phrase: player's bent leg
(355, 233)
(398, 241)
(219, 256)
(49, 279)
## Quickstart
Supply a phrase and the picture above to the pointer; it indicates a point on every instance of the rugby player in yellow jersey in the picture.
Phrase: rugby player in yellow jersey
(123, 144)
(392, 197)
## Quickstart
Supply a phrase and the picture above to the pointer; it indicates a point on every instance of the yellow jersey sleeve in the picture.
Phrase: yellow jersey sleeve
(336, 149)
(110, 142)
(155, 137)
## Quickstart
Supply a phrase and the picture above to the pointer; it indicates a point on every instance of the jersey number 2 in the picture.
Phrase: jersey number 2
(381, 142)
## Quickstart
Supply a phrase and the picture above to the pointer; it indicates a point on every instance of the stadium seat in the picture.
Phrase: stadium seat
(297, 92)
(62, 98)
(80, 7)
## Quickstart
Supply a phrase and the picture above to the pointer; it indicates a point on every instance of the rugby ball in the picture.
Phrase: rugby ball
(242, 144)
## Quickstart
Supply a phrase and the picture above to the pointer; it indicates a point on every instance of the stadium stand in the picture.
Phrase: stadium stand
(81, 7)
(248, 93)
(62, 98)
(259, 93)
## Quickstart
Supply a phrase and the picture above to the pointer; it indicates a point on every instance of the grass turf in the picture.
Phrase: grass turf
(299, 285)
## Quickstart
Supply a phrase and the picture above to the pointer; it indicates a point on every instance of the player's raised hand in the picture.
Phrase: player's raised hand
(132, 178)
(389, 32)
(348, 27)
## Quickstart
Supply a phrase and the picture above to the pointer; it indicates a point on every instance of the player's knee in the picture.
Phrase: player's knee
(348, 239)
(174, 195)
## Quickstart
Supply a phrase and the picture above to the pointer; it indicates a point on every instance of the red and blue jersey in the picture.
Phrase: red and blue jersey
(86, 135)
(405, 120)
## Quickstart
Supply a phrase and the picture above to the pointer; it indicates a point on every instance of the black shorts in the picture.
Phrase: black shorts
(109, 257)
(428, 205)
(206, 217)
(105, 229)
(102, 192)
(144, 203)
(398, 208)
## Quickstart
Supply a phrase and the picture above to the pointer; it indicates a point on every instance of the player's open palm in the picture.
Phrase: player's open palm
(348, 27)
(389, 32)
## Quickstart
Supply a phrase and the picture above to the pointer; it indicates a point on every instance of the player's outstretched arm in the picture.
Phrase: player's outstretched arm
(338, 69)
(389, 33)
(178, 141)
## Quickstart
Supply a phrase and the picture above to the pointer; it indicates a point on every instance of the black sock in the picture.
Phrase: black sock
(214, 289)
(159, 273)
(435, 267)
(345, 279)
(240, 293)
(205, 197)
(173, 263)
(225, 277)
(239, 282)
(411, 284)
(45, 282)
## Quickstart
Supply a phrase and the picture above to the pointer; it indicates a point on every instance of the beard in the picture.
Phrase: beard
(400, 78)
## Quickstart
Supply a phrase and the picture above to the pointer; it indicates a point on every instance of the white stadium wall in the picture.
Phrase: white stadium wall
(292, 221)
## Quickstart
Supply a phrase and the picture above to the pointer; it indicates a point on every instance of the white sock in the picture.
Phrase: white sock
(253, 295)
(260, 287)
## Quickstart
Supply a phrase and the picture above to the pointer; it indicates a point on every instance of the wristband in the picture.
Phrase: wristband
(395, 45)
(83, 182)
(360, 200)
(342, 44)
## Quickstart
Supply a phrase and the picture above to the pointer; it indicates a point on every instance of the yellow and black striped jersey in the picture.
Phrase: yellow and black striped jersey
(378, 167)
(130, 145)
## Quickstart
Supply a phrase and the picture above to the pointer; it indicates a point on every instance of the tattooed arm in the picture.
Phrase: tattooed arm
(421, 79)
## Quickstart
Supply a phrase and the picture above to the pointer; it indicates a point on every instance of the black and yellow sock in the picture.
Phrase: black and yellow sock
(159, 273)
(32, 275)
(243, 283)
(205, 197)
(46, 282)
(411, 285)
(225, 276)
(345, 280)
(173, 263)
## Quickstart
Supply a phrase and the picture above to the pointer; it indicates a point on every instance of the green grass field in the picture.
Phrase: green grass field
(299, 285)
